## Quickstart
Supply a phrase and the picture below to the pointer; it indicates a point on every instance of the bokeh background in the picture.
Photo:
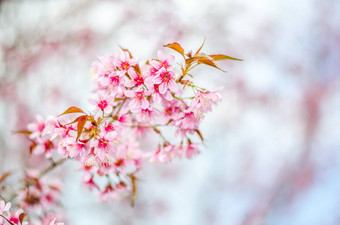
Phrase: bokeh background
(272, 150)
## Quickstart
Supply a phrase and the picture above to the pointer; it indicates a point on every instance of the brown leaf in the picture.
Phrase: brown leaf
(208, 62)
(199, 134)
(137, 69)
(81, 124)
(76, 120)
(126, 50)
(22, 132)
(200, 47)
(4, 176)
(176, 46)
(22, 217)
(188, 61)
(134, 189)
(32, 147)
(223, 57)
(72, 109)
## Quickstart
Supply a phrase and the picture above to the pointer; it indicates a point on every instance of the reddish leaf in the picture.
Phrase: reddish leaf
(22, 132)
(189, 54)
(76, 120)
(137, 68)
(200, 47)
(190, 60)
(22, 217)
(72, 109)
(81, 124)
(208, 62)
(126, 50)
(175, 46)
(32, 147)
(199, 134)
(223, 57)
(134, 189)
(4, 176)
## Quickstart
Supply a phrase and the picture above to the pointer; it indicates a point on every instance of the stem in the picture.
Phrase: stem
(51, 167)
(120, 107)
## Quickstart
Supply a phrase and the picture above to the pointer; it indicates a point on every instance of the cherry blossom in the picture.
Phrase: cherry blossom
(133, 100)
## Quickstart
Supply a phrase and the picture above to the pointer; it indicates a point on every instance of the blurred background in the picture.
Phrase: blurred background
(272, 151)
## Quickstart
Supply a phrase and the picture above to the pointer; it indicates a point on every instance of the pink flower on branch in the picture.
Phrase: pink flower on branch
(133, 100)
(104, 103)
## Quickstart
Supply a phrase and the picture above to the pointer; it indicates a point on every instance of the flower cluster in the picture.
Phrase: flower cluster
(132, 100)
(16, 217)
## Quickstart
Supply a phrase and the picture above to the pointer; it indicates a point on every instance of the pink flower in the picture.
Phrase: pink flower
(4, 208)
(104, 68)
(89, 182)
(14, 217)
(167, 81)
(104, 145)
(203, 101)
(192, 150)
(139, 100)
(75, 149)
(54, 223)
(104, 103)
(164, 62)
(37, 127)
(44, 146)
(148, 115)
(125, 63)
(188, 121)
(163, 155)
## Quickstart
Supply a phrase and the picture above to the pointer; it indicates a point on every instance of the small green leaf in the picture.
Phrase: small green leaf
(223, 57)
(176, 46)
(72, 109)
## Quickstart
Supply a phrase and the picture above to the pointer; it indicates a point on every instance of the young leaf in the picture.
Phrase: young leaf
(81, 124)
(22, 132)
(137, 68)
(4, 176)
(22, 217)
(175, 46)
(208, 62)
(72, 109)
(223, 57)
(74, 121)
(134, 189)
(32, 147)
(199, 134)
(126, 50)
(200, 48)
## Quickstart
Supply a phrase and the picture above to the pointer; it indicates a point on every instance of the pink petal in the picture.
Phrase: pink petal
(162, 88)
